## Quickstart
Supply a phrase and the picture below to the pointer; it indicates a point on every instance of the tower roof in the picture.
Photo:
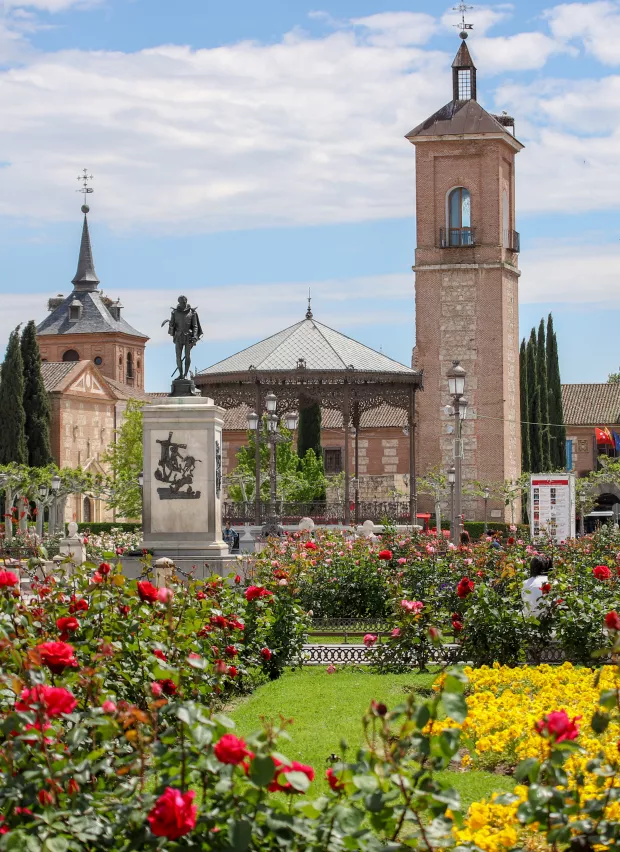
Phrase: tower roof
(320, 347)
(85, 277)
(463, 57)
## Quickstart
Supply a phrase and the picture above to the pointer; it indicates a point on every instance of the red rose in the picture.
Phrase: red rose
(104, 568)
(511, 540)
(545, 588)
(156, 689)
(557, 726)
(220, 667)
(310, 545)
(56, 701)
(124, 609)
(457, 626)
(147, 591)
(280, 784)
(333, 781)
(173, 815)
(109, 706)
(7, 579)
(232, 671)
(160, 655)
(266, 654)
(370, 639)
(66, 625)
(254, 592)
(73, 787)
(465, 587)
(385, 554)
(45, 798)
(168, 687)
(200, 596)
(601, 572)
(76, 605)
(57, 656)
(612, 620)
(219, 621)
(231, 749)
(231, 650)
(237, 579)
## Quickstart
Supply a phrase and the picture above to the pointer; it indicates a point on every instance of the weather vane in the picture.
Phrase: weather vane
(309, 311)
(463, 8)
(85, 189)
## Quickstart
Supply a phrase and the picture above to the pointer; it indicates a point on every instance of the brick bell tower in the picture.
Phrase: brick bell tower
(466, 285)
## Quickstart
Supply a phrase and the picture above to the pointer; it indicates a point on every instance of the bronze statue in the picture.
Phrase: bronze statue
(184, 326)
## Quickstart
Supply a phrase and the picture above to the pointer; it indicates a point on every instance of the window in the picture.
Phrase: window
(506, 219)
(98, 360)
(70, 355)
(129, 366)
(464, 84)
(333, 460)
(459, 218)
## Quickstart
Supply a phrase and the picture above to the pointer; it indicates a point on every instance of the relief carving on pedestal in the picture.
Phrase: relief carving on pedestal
(177, 470)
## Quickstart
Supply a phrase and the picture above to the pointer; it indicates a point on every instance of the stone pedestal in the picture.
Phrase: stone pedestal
(182, 517)
(73, 546)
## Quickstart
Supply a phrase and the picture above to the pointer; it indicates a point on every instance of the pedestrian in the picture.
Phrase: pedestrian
(534, 587)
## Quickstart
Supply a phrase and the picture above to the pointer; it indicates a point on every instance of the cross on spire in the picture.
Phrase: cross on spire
(309, 311)
(463, 8)
(85, 189)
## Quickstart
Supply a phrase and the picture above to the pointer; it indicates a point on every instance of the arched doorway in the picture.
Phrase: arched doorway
(87, 510)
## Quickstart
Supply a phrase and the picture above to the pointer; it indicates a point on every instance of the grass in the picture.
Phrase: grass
(327, 708)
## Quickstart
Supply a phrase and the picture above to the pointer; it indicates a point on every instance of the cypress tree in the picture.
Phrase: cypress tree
(12, 415)
(533, 409)
(543, 393)
(525, 432)
(309, 428)
(556, 411)
(36, 401)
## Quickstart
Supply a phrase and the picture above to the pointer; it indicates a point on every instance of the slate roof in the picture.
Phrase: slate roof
(384, 416)
(591, 404)
(459, 118)
(123, 391)
(55, 372)
(320, 346)
(95, 317)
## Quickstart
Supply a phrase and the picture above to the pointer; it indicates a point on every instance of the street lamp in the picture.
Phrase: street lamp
(55, 483)
(141, 480)
(451, 481)
(582, 520)
(456, 385)
(274, 437)
(486, 496)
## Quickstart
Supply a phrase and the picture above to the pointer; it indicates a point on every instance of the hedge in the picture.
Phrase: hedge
(106, 527)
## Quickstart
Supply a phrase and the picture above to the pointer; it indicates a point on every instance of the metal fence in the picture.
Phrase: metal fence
(320, 512)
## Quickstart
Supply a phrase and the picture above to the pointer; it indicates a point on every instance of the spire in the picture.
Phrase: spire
(85, 277)
(463, 74)
(309, 311)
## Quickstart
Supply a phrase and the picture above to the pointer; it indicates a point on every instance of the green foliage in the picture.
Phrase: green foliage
(533, 407)
(126, 460)
(12, 415)
(557, 430)
(613, 378)
(107, 526)
(525, 431)
(297, 479)
(309, 428)
(543, 391)
(36, 401)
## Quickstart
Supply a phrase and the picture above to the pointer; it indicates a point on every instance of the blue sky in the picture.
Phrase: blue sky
(245, 152)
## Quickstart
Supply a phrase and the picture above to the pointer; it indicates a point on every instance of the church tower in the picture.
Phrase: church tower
(466, 285)
(89, 326)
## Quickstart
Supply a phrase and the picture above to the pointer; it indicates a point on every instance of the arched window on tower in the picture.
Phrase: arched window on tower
(506, 220)
(460, 232)
(70, 355)
(130, 375)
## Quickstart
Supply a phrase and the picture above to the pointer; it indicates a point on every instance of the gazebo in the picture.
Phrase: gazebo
(309, 360)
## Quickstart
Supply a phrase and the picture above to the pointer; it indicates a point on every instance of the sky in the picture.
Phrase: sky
(245, 153)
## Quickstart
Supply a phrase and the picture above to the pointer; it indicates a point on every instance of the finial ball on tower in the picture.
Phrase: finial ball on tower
(463, 34)
(85, 208)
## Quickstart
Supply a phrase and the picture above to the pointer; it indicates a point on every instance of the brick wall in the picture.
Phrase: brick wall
(110, 347)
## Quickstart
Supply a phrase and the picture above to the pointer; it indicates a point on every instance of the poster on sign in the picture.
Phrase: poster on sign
(552, 505)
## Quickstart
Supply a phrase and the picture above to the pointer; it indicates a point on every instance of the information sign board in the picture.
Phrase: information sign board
(552, 505)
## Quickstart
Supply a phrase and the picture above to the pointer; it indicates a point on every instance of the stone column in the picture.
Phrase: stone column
(182, 514)
(8, 513)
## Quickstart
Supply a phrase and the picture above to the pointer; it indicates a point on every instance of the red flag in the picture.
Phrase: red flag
(603, 436)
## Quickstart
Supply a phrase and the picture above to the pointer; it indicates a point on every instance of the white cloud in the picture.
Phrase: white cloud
(49, 5)
(596, 25)
(520, 52)
(483, 18)
(577, 273)
(393, 29)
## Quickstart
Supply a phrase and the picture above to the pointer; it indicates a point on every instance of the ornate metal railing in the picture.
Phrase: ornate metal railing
(320, 512)
(457, 237)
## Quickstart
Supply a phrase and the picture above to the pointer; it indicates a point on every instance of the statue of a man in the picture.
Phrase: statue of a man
(186, 331)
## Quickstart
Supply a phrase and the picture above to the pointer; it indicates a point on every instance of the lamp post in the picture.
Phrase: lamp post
(141, 486)
(486, 496)
(456, 386)
(54, 520)
(274, 437)
(43, 495)
(451, 481)
(582, 520)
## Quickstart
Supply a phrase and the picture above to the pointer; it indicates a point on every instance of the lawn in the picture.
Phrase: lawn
(327, 708)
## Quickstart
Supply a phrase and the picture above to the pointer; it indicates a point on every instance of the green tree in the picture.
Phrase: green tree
(533, 412)
(125, 459)
(12, 415)
(613, 378)
(543, 393)
(36, 401)
(525, 432)
(557, 430)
